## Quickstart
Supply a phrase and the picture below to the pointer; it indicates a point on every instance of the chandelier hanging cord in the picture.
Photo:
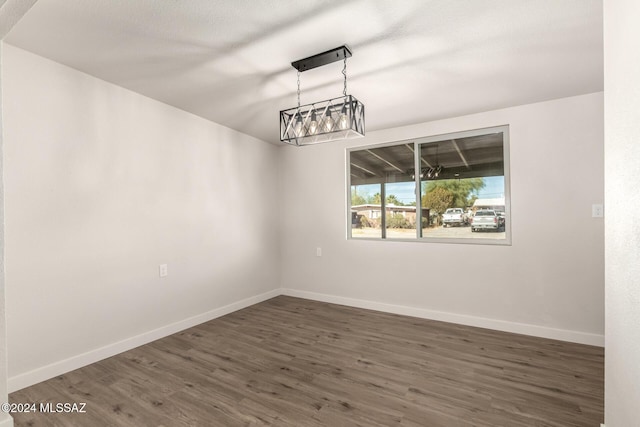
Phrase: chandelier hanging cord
(344, 73)
(298, 89)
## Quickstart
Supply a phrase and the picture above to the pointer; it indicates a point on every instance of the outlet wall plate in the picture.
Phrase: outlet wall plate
(597, 211)
(163, 269)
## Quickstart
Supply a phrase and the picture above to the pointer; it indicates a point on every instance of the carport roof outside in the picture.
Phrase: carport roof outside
(466, 157)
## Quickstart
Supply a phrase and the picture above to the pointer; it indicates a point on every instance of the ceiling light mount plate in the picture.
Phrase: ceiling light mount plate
(324, 58)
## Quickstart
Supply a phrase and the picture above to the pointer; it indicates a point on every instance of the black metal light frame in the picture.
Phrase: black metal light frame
(329, 120)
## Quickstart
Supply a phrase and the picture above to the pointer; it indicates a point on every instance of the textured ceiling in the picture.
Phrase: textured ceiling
(413, 60)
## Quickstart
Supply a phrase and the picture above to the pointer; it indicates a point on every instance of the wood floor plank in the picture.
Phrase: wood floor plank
(294, 362)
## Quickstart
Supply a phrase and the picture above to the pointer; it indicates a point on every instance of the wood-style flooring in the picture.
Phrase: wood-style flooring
(294, 362)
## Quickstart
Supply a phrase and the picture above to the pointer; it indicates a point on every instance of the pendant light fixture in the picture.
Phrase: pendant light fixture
(330, 120)
(434, 172)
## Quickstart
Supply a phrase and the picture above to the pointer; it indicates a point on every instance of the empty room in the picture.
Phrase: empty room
(319, 213)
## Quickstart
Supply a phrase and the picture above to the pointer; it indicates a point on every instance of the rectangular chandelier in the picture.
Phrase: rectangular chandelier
(330, 120)
(337, 118)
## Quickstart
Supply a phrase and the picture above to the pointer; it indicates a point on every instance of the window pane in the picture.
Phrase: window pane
(463, 188)
(382, 181)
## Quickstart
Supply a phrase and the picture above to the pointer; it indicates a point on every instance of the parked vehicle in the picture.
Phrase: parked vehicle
(487, 220)
(454, 216)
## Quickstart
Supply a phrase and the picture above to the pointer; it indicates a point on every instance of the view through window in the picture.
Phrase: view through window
(445, 188)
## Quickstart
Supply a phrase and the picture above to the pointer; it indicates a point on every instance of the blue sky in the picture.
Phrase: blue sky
(404, 191)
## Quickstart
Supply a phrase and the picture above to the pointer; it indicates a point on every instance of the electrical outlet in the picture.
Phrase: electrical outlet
(318, 251)
(597, 211)
(163, 270)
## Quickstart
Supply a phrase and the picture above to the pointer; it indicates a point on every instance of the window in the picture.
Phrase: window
(445, 188)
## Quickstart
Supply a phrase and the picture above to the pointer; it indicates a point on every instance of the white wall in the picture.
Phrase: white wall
(10, 13)
(550, 282)
(5, 419)
(622, 166)
(101, 186)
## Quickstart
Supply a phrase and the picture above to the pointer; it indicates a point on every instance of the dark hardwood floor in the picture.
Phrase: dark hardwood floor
(294, 362)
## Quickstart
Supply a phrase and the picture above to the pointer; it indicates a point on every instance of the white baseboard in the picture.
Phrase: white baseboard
(481, 322)
(58, 368)
(6, 421)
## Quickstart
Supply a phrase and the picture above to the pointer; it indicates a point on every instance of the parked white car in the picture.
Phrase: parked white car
(487, 220)
(454, 216)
